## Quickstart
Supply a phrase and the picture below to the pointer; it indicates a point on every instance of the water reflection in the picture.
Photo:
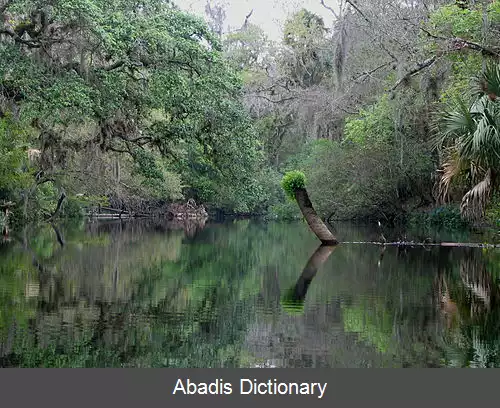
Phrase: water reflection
(294, 298)
(236, 294)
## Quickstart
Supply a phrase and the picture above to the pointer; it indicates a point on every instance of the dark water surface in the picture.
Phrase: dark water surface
(243, 294)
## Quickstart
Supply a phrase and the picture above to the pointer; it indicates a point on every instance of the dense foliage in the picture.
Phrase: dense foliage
(125, 100)
(135, 105)
(292, 181)
(355, 106)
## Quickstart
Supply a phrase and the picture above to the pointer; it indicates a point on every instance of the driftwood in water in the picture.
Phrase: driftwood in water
(426, 244)
(110, 215)
(190, 210)
(178, 211)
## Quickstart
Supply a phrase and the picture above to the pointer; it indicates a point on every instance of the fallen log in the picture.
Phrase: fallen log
(113, 216)
(426, 244)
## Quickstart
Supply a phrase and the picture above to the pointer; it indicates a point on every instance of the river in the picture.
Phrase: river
(244, 293)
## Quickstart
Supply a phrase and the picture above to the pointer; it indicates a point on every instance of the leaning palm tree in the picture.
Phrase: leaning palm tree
(294, 184)
(468, 137)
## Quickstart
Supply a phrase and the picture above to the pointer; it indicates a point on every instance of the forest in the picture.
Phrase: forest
(383, 115)
(392, 113)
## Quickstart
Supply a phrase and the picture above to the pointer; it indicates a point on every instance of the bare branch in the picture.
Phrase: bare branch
(459, 43)
(38, 43)
(331, 10)
(247, 18)
(369, 73)
(185, 65)
(355, 7)
(117, 64)
(378, 30)
(420, 66)
(275, 101)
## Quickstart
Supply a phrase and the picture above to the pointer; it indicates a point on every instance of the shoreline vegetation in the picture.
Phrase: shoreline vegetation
(111, 110)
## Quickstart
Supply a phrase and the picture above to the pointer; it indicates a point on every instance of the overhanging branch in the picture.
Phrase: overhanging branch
(330, 9)
(421, 66)
(275, 101)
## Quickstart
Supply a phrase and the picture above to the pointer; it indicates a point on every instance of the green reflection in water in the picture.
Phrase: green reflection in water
(241, 294)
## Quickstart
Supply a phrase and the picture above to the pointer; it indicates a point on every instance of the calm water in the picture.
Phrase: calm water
(243, 294)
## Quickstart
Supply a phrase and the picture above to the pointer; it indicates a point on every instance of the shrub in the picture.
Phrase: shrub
(72, 208)
(447, 217)
(285, 211)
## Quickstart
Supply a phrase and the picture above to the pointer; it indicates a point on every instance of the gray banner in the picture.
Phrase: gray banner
(266, 387)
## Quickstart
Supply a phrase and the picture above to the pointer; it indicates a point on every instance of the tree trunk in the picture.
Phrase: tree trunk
(59, 205)
(5, 230)
(313, 220)
(58, 235)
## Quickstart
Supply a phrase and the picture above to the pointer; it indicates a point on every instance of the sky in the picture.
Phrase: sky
(268, 14)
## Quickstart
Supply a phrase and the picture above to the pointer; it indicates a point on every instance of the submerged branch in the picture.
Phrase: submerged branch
(426, 244)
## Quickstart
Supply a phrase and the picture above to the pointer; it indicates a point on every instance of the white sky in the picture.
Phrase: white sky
(268, 14)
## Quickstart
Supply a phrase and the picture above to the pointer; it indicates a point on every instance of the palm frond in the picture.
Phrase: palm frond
(476, 172)
(475, 200)
(488, 83)
(453, 123)
(471, 133)
(482, 144)
(450, 169)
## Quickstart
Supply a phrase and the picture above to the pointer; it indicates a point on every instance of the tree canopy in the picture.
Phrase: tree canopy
(141, 79)
(138, 103)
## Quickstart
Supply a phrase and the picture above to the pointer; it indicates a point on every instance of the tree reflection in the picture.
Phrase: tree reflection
(469, 308)
(155, 295)
(293, 301)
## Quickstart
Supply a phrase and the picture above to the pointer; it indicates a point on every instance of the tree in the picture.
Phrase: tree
(246, 48)
(469, 136)
(294, 184)
(216, 14)
(141, 84)
(305, 60)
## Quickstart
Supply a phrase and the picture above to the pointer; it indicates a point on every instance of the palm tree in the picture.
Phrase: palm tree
(294, 184)
(468, 137)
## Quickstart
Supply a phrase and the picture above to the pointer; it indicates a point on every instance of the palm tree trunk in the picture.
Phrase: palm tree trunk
(315, 223)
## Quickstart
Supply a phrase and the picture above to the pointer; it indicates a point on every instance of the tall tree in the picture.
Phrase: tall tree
(304, 59)
(143, 80)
